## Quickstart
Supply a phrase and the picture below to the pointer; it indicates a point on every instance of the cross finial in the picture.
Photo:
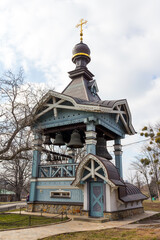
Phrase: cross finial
(82, 21)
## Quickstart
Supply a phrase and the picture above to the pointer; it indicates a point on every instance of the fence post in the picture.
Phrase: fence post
(29, 221)
(20, 210)
(62, 216)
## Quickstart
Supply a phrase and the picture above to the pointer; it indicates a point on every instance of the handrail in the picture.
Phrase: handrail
(59, 164)
(57, 170)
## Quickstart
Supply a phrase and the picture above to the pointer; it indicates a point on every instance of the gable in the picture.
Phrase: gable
(118, 111)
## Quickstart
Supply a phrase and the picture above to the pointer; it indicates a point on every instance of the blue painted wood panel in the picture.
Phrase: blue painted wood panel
(44, 194)
(66, 117)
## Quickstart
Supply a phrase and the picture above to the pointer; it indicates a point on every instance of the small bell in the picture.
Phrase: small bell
(75, 141)
(47, 140)
(59, 140)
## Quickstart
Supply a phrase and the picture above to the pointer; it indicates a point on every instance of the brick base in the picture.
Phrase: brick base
(123, 214)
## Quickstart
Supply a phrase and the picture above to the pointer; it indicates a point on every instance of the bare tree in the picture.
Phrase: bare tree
(131, 177)
(136, 178)
(17, 100)
(143, 170)
(16, 112)
(151, 153)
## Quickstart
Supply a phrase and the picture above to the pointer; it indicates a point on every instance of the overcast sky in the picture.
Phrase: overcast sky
(124, 38)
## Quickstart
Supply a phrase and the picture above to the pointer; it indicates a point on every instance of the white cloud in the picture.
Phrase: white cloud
(146, 108)
(123, 36)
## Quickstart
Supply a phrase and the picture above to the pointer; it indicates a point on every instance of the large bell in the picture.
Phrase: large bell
(47, 140)
(59, 140)
(101, 148)
(75, 141)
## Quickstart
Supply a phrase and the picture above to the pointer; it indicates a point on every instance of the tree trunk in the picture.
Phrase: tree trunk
(18, 196)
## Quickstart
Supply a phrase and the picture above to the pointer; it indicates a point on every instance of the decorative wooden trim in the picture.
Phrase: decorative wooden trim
(92, 171)
(57, 187)
(116, 108)
(51, 179)
(58, 203)
(91, 141)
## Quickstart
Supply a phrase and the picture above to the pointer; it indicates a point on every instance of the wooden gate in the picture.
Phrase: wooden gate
(96, 199)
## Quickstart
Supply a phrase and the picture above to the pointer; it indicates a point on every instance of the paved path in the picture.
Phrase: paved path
(72, 226)
(9, 206)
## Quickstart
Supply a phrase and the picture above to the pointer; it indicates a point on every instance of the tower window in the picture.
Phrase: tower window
(93, 90)
(60, 194)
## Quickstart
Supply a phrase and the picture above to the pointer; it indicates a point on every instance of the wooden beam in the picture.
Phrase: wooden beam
(87, 168)
(87, 176)
(65, 128)
(100, 176)
(118, 114)
(43, 112)
(66, 107)
(92, 168)
(97, 168)
(54, 109)
(107, 133)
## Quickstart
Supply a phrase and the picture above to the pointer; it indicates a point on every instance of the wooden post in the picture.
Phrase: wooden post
(118, 156)
(29, 221)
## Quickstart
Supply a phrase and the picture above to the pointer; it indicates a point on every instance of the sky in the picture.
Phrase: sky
(124, 39)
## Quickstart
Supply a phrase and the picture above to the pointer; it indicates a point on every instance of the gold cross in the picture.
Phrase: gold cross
(82, 21)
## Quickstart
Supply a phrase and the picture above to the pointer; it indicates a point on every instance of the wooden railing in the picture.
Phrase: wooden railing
(57, 170)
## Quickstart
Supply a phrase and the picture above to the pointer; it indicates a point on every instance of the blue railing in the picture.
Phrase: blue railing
(57, 170)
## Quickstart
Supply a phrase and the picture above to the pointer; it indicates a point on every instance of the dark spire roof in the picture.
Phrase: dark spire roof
(83, 85)
(81, 55)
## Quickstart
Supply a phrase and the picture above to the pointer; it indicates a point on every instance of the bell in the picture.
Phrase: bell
(101, 148)
(47, 140)
(49, 157)
(59, 140)
(75, 141)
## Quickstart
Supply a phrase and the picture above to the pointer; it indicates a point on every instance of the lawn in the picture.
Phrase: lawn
(111, 234)
(8, 221)
(151, 206)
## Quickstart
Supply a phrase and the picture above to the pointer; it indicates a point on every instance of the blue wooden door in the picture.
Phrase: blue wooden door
(96, 199)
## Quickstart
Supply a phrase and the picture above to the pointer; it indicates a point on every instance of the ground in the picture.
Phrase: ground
(152, 233)
(113, 230)
(151, 206)
(111, 234)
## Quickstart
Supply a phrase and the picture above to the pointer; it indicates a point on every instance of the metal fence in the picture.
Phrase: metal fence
(29, 220)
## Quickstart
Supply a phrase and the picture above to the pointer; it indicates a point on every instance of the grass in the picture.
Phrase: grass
(117, 234)
(17, 210)
(10, 221)
(151, 206)
(111, 234)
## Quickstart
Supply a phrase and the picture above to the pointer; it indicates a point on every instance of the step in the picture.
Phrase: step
(90, 219)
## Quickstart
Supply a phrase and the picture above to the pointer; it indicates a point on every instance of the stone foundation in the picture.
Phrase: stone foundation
(123, 213)
(56, 208)
(78, 210)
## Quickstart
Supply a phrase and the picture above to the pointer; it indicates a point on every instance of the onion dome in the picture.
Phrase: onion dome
(81, 55)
